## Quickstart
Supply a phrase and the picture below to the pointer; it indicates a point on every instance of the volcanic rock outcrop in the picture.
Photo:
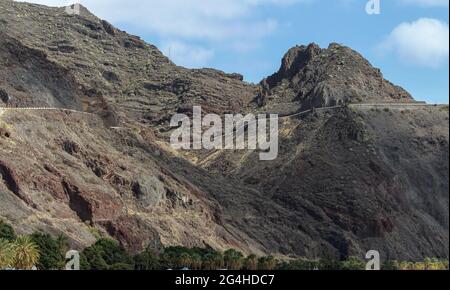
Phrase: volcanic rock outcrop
(317, 77)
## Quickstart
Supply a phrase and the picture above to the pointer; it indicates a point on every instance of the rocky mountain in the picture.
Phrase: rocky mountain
(346, 181)
(317, 77)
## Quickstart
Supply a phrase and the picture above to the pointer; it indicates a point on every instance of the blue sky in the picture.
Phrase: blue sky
(408, 39)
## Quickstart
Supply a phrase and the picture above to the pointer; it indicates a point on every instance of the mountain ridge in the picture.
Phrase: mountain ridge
(345, 182)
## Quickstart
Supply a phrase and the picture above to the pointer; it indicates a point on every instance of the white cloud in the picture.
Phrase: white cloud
(429, 3)
(186, 55)
(232, 24)
(423, 42)
(215, 20)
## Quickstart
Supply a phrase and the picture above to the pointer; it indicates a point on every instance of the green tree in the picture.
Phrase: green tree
(390, 266)
(91, 259)
(352, 263)
(63, 243)
(196, 261)
(251, 263)
(213, 261)
(183, 260)
(7, 232)
(201, 251)
(233, 259)
(51, 257)
(166, 261)
(177, 250)
(84, 262)
(267, 263)
(26, 253)
(121, 267)
(302, 265)
(6, 254)
(147, 260)
(104, 254)
(178, 257)
(328, 263)
(113, 253)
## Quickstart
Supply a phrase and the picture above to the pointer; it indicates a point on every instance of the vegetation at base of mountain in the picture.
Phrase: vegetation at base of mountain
(52, 251)
(45, 252)
(6, 254)
(147, 260)
(7, 232)
(427, 264)
(25, 253)
(208, 259)
(106, 254)
(17, 252)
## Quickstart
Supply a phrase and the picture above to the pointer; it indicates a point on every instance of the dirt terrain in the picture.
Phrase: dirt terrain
(347, 180)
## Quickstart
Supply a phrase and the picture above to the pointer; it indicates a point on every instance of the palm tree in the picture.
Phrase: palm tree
(184, 260)
(251, 262)
(233, 259)
(63, 243)
(218, 260)
(6, 254)
(147, 260)
(208, 262)
(267, 263)
(26, 253)
(196, 261)
(212, 261)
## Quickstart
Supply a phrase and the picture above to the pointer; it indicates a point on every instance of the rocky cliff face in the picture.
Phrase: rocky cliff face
(346, 181)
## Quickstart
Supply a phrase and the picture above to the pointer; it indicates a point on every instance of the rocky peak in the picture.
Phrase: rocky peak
(294, 61)
(318, 77)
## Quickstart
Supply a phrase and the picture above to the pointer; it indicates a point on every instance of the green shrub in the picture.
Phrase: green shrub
(47, 253)
(213, 261)
(390, 266)
(303, 265)
(352, 263)
(104, 254)
(51, 256)
(91, 259)
(146, 260)
(233, 259)
(251, 262)
(267, 263)
(7, 232)
(194, 258)
(6, 254)
(328, 264)
(121, 267)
